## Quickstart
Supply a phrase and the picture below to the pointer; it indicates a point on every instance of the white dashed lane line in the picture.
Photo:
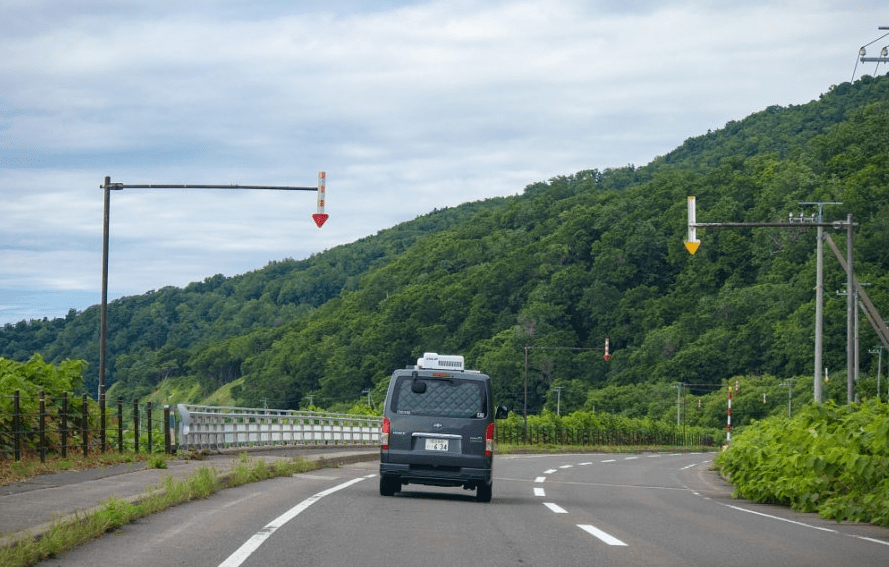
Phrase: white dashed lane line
(607, 538)
(590, 529)
(555, 508)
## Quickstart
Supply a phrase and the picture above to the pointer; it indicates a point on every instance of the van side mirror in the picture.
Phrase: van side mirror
(502, 412)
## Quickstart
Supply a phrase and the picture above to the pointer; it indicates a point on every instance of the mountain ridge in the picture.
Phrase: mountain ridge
(565, 263)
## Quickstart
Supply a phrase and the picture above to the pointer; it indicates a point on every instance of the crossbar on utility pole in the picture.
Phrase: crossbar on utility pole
(883, 52)
(319, 217)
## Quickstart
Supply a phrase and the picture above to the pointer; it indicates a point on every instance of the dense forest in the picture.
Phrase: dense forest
(539, 280)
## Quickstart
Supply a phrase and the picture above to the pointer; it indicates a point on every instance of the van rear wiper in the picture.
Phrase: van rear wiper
(418, 385)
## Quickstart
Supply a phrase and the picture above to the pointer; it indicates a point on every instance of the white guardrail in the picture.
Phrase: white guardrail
(210, 427)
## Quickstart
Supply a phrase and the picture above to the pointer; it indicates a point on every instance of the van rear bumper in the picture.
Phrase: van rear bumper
(433, 475)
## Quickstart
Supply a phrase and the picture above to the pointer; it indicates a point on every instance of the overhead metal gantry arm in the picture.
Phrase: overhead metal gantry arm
(692, 244)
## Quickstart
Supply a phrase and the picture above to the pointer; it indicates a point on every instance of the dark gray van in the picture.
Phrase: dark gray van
(438, 427)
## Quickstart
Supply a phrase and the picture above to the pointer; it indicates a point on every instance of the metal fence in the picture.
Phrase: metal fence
(208, 427)
(561, 435)
(44, 425)
(58, 425)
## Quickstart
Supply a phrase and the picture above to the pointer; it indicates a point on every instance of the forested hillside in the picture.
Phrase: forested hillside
(155, 335)
(567, 263)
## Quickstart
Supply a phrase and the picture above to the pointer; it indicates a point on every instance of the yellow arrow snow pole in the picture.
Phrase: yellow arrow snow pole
(692, 243)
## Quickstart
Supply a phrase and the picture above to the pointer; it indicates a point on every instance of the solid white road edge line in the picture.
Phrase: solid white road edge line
(780, 519)
(802, 524)
(252, 544)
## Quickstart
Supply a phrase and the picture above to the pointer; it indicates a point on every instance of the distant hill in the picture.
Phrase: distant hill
(570, 261)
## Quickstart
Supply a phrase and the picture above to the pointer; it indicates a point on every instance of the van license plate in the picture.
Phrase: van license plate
(436, 444)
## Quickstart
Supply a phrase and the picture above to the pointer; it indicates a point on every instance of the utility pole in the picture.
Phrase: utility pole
(879, 351)
(850, 318)
(876, 321)
(789, 384)
(819, 298)
(857, 303)
(679, 403)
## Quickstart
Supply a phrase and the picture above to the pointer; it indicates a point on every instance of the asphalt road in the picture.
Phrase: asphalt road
(634, 510)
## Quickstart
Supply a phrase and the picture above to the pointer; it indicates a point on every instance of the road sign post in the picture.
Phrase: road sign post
(804, 223)
(319, 217)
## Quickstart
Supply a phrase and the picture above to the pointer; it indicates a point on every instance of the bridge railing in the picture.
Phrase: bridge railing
(214, 427)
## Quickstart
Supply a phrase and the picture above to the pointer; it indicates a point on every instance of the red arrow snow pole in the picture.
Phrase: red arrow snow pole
(320, 217)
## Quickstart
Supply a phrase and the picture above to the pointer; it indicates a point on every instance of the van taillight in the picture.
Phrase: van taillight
(384, 434)
(489, 440)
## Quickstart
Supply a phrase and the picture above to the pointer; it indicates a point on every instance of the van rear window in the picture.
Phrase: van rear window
(451, 397)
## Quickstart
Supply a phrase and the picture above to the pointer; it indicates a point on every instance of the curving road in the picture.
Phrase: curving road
(594, 509)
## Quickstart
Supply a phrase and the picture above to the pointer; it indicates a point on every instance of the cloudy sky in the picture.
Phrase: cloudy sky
(407, 105)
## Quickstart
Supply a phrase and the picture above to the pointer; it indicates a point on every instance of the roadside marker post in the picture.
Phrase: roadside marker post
(692, 243)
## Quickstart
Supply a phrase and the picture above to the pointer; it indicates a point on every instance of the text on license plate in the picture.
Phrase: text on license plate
(436, 444)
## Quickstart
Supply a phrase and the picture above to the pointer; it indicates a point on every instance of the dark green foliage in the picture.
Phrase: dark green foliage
(567, 263)
(35, 376)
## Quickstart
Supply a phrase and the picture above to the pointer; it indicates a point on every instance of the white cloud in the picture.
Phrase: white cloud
(408, 105)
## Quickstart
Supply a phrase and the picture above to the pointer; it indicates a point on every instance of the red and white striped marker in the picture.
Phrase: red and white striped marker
(728, 426)
(320, 217)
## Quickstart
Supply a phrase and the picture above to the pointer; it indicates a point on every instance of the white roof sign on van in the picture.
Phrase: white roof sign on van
(436, 361)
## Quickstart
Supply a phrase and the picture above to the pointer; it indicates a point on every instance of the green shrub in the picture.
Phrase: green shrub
(831, 459)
